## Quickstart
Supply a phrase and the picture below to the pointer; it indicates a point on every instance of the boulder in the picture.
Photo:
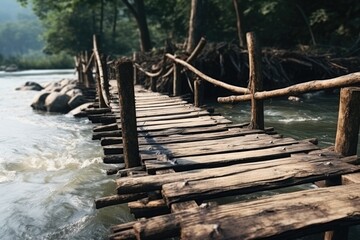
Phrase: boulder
(53, 86)
(68, 87)
(38, 102)
(57, 102)
(76, 101)
(74, 92)
(32, 86)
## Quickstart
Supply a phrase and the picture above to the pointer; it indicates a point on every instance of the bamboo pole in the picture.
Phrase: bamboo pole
(124, 77)
(255, 78)
(316, 85)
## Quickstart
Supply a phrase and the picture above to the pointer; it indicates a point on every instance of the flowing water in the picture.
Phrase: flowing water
(51, 170)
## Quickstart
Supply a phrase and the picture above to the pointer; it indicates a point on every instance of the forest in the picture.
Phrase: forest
(125, 26)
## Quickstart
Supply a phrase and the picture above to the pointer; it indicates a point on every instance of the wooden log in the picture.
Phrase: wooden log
(198, 93)
(148, 208)
(101, 83)
(216, 82)
(111, 159)
(316, 85)
(346, 142)
(255, 79)
(117, 199)
(311, 211)
(99, 135)
(124, 75)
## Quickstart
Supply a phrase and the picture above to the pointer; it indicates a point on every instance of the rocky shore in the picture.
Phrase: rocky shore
(64, 96)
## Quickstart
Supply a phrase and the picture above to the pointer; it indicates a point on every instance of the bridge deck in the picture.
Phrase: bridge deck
(192, 159)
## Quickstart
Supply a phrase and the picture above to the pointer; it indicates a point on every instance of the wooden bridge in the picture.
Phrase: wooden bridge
(188, 172)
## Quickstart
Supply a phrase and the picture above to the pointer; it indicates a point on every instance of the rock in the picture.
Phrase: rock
(294, 99)
(76, 101)
(53, 86)
(74, 92)
(57, 102)
(32, 86)
(68, 88)
(80, 110)
(38, 102)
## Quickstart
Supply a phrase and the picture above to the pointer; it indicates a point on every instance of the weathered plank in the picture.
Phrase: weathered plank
(295, 214)
(225, 159)
(155, 182)
(227, 147)
(177, 138)
(248, 180)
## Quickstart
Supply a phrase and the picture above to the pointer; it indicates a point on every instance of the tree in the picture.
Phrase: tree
(138, 11)
(196, 24)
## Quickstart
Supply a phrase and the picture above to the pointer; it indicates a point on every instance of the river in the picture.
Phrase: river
(51, 170)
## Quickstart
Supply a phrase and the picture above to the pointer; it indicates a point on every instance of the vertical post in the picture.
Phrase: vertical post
(176, 81)
(105, 69)
(135, 58)
(124, 77)
(98, 87)
(153, 84)
(348, 121)
(198, 92)
(346, 141)
(255, 80)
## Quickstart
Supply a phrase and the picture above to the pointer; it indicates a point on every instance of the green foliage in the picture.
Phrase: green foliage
(38, 60)
(69, 24)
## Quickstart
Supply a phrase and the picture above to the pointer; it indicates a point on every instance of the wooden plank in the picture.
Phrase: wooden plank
(155, 182)
(177, 138)
(225, 159)
(216, 119)
(295, 214)
(248, 180)
(226, 145)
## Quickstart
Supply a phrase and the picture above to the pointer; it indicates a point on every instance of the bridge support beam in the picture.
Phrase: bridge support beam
(125, 80)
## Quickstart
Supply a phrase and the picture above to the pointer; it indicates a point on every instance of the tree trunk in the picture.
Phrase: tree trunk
(101, 25)
(239, 24)
(196, 24)
(113, 37)
(138, 11)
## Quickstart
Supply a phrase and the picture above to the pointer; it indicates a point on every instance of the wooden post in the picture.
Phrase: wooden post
(135, 58)
(198, 92)
(346, 141)
(124, 77)
(348, 121)
(102, 103)
(153, 84)
(176, 81)
(255, 80)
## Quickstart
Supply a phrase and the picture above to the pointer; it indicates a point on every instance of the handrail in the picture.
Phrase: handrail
(101, 73)
(192, 56)
(316, 85)
(216, 82)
